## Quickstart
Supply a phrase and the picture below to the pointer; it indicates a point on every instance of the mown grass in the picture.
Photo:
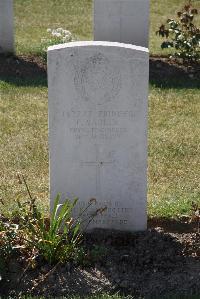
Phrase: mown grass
(24, 144)
(174, 122)
(32, 18)
(174, 127)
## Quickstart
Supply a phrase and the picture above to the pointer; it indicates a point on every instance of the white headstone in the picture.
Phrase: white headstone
(125, 21)
(6, 26)
(98, 130)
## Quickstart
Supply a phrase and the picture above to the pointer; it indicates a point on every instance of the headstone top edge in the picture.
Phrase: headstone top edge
(97, 43)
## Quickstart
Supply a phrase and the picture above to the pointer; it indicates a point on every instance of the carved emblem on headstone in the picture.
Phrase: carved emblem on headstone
(96, 80)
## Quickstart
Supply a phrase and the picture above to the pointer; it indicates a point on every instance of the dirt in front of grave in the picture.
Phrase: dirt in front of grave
(148, 264)
(164, 72)
(23, 70)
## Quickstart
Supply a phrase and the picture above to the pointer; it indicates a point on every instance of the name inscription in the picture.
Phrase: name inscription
(100, 124)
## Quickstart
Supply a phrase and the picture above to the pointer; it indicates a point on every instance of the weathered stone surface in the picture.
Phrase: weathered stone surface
(125, 21)
(98, 130)
(6, 26)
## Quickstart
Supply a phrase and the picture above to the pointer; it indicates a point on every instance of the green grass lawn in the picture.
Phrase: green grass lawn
(174, 116)
(174, 138)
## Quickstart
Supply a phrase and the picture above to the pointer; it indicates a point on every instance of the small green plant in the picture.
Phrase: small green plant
(55, 239)
(58, 238)
(182, 34)
(55, 37)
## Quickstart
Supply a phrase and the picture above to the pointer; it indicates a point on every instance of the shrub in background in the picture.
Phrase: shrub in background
(55, 37)
(182, 34)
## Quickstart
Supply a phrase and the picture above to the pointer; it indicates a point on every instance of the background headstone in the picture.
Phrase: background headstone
(125, 21)
(98, 130)
(6, 26)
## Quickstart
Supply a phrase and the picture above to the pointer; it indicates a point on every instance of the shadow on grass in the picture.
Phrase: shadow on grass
(23, 71)
(165, 74)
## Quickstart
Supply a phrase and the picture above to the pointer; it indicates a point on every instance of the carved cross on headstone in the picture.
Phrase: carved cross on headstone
(98, 164)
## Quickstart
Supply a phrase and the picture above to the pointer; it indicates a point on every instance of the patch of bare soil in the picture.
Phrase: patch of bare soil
(165, 73)
(23, 70)
(148, 264)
